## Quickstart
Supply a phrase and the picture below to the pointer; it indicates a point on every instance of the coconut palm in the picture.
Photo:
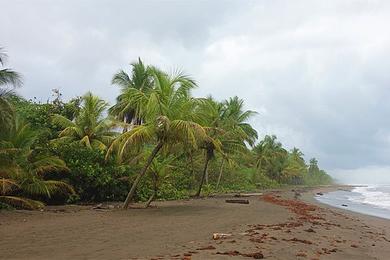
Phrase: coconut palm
(24, 173)
(228, 129)
(90, 128)
(238, 132)
(168, 119)
(8, 76)
(9, 79)
(271, 156)
(141, 79)
(209, 115)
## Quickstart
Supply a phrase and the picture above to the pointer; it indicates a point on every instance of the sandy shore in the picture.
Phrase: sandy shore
(273, 226)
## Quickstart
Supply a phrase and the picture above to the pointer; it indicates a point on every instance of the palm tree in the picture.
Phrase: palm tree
(227, 129)
(168, 119)
(238, 131)
(90, 128)
(8, 78)
(141, 79)
(24, 173)
(271, 156)
(209, 115)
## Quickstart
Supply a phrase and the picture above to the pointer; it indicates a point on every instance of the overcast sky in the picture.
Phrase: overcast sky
(318, 72)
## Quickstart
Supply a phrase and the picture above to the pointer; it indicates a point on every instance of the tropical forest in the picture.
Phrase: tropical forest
(155, 142)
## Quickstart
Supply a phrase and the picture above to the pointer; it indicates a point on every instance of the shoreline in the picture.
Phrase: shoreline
(313, 194)
(274, 226)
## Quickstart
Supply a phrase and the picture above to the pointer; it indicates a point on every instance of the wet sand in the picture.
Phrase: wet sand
(273, 226)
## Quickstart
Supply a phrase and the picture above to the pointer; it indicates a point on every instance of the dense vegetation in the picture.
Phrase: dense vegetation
(156, 142)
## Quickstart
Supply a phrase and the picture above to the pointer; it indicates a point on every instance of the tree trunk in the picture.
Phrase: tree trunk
(206, 179)
(155, 188)
(220, 173)
(204, 175)
(141, 174)
(147, 204)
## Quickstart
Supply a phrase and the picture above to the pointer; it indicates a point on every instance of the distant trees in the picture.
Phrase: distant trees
(271, 157)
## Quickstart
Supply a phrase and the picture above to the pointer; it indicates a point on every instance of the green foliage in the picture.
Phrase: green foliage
(94, 178)
(38, 115)
(89, 128)
(26, 174)
(315, 176)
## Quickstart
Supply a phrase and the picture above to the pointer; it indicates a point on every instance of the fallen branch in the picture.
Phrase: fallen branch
(238, 201)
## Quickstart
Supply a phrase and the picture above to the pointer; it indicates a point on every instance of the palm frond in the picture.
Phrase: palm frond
(47, 164)
(10, 77)
(7, 185)
(22, 203)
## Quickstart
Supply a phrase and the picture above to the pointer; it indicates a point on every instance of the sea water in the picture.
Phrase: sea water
(371, 200)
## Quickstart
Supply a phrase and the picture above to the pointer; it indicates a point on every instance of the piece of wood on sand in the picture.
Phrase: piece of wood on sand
(238, 195)
(237, 201)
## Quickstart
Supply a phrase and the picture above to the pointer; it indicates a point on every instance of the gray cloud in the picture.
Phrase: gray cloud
(316, 71)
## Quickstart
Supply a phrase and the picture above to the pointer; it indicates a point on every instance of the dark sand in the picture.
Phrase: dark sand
(275, 225)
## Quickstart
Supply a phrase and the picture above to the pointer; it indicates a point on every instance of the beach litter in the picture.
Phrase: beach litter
(217, 236)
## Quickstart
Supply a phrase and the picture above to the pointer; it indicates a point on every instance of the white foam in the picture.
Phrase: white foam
(375, 195)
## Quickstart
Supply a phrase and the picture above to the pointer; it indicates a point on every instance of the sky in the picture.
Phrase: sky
(317, 72)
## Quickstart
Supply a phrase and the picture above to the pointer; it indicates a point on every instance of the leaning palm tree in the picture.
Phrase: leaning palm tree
(141, 79)
(25, 174)
(168, 120)
(90, 128)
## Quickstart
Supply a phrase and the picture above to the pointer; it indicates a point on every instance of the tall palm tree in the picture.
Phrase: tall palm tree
(24, 173)
(210, 115)
(168, 119)
(141, 79)
(90, 128)
(238, 131)
(228, 130)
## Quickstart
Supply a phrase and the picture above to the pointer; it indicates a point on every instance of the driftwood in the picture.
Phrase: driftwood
(248, 194)
(238, 201)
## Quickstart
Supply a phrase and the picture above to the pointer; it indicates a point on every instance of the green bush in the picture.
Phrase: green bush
(94, 178)
(261, 181)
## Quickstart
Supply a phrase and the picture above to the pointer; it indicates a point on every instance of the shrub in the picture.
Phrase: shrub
(94, 178)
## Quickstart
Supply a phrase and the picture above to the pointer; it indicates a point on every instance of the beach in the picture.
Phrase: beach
(282, 224)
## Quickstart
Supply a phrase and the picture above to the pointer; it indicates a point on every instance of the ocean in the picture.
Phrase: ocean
(370, 200)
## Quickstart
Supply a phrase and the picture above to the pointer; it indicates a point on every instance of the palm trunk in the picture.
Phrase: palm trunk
(141, 174)
(206, 179)
(220, 173)
(191, 164)
(155, 188)
(204, 175)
